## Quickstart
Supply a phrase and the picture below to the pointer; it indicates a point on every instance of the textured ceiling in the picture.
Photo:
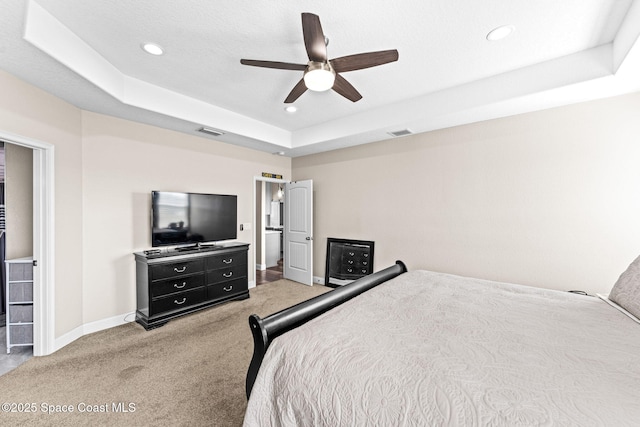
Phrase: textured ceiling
(88, 53)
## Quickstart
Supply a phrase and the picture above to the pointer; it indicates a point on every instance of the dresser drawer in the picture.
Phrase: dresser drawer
(177, 284)
(357, 262)
(356, 254)
(177, 301)
(230, 259)
(226, 289)
(176, 269)
(354, 270)
(226, 274)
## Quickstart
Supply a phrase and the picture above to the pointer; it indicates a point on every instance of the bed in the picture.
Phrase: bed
(425, 348)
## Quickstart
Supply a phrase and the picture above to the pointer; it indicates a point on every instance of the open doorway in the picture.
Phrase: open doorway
(292, 202)
(268, 232)
(16, 251)
(42, 157)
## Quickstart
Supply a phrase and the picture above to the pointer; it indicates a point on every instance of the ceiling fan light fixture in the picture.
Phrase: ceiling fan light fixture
(319, 76)
(321, 73)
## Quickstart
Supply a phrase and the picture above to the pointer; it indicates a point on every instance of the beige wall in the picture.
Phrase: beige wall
(122, 163)
(19, 201)
(549, 199)
(31, 113)
(105, 169)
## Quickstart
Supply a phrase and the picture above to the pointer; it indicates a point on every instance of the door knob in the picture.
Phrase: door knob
(309, 238)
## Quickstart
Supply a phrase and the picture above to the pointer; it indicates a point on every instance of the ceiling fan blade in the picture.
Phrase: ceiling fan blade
(274, 64)
(363, 60)
(344, 88)
(314, 37)
(295, 93)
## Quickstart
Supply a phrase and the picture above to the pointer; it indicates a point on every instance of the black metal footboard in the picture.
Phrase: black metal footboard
(274, 325)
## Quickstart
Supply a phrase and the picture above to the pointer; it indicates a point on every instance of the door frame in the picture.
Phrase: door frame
(257, 179)
(43, 241)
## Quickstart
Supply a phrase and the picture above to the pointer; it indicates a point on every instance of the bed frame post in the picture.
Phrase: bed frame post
(260, 344)
(274, 325)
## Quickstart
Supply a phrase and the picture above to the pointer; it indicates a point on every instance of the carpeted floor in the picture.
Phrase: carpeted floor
(189, 372)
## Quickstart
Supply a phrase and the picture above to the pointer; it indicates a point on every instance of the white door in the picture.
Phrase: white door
(298, 227)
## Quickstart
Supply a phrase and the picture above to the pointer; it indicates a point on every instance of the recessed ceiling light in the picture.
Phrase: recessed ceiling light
(152, 49)
(290, 108)
(500, 33)
(279, 153)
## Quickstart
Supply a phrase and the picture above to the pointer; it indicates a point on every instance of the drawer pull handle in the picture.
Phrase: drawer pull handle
(228, 261)
(175, 285)
(228, 275)
(184, 299)
(180, 270)
(227, 290)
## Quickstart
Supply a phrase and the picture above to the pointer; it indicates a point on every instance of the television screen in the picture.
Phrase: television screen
(188, 218)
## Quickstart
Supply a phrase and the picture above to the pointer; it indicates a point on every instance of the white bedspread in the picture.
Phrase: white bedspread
(430, 349)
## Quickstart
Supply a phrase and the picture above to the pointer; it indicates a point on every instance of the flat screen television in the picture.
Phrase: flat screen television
(192, 218)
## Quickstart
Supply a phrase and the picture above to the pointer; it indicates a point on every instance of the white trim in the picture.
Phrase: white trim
(43, 241)
(89, 328)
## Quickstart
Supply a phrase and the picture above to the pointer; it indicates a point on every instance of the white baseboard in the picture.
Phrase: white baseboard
(89, 328)
(261, 267)
(318, 280)
(100, 325)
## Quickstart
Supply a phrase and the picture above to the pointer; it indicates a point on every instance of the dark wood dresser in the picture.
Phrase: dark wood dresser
(348, 260)
(173, 283)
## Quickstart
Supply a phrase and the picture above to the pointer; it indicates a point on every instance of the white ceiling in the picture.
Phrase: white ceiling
(88, 53)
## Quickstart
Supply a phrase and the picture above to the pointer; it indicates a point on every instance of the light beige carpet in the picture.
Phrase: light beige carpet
(189, 372)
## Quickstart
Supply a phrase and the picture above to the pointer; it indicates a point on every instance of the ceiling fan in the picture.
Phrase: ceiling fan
(321, 73)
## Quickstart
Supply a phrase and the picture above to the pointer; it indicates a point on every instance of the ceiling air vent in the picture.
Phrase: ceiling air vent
(210, 131)
(403, 132)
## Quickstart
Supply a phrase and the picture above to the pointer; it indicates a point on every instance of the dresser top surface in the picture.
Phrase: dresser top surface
(186, 253)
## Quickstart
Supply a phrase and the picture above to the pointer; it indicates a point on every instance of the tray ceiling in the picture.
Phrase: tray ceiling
(88, 52)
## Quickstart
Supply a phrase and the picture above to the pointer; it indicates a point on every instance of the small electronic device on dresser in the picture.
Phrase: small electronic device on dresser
(191, 266)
